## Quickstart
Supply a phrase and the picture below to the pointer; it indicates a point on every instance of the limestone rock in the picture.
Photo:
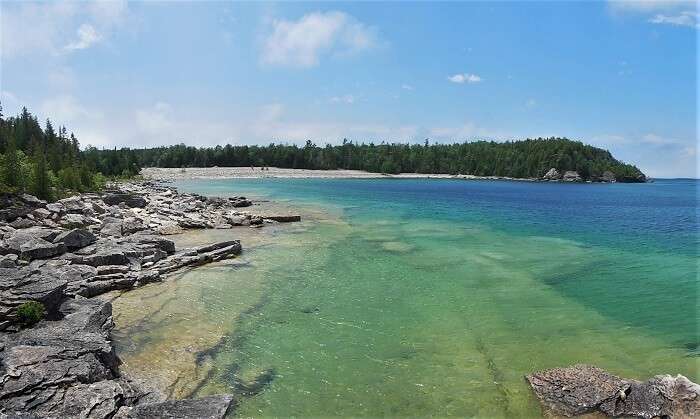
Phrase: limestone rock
(131, 200)
(211, 407)
(552, 174)
(571, 176)
(582, 389)
(75, 239)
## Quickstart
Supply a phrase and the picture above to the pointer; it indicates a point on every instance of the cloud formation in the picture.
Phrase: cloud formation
(56, 27)
(464, 78)
(685, 18)
(87, 36)
(303, 42)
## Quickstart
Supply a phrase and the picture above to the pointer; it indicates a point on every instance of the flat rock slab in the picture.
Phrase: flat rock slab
(211, 407)
(583, 389)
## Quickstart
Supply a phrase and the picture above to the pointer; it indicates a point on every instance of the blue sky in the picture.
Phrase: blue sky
(620, 75)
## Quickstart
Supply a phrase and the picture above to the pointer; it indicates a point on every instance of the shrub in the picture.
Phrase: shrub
(31, 312)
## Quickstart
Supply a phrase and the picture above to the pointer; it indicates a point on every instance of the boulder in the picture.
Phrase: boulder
(552, 174)
(571, 176)
(169, 229)
(72, 220)
(36, 248)
(112, 226)
(8, 261)
(56, 208)
(131, 200)
(41, 213)
(32, 200)
(20, 285)
(75, 239)
(21, 223)
(73, 204)
(131, 225)
(583, 389)
(239, 202)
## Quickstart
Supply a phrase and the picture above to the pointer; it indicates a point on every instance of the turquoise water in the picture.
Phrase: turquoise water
(429, 297)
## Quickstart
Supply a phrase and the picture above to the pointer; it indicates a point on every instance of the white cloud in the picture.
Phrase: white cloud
(87, 37)
(464, 78)
(65, 110)
(685, 18)
(531, 103)
(155, 120)
(407, 87)
(49, 28)
(302, 43)
(659, 140)
(347, 99)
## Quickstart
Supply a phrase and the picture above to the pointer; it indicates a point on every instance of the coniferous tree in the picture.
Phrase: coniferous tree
(11, 164)
(41, 186)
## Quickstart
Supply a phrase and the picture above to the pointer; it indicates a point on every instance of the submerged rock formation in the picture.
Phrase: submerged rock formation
(583, 389)
(63, 253)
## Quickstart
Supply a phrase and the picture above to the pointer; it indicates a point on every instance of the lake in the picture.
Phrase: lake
(419, 297)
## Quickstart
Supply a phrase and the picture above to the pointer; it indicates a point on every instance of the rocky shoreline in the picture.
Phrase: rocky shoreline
(59, 256)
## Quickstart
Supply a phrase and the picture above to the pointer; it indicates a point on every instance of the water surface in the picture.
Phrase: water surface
(426, 297)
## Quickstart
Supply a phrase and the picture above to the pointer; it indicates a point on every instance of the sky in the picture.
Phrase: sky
(618, 75)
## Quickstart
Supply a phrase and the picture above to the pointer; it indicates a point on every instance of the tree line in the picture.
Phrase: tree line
(531, 158)
(49, 163)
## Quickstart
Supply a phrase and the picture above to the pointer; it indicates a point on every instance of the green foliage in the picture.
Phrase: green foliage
(77, 171)
(530, 158)
(41, 181)
(31, 312)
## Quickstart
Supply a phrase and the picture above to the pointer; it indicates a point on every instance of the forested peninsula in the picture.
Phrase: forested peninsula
(49, 163)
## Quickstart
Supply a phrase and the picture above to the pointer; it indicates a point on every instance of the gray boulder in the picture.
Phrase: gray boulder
(20, 285)
(131, 200)
(571, 176)
(552, 174)
(583, 389)
(21, 223)
(72, 220)
(56, 208)
(608, 176)
(73, 204)
(75, 239)
(36, 248)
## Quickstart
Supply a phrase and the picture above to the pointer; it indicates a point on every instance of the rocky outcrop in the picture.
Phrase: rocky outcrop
(552, 174)
(69, 369)
(571, 176)
(62, 254)
(608, 176)
(583, 389)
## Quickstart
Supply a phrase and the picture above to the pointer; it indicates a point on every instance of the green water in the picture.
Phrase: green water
(409, 307)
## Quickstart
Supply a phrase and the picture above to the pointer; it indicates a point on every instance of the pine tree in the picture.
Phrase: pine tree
(11, 164)
(40, 183)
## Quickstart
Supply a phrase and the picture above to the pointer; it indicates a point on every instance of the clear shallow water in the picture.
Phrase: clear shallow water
(427, 297)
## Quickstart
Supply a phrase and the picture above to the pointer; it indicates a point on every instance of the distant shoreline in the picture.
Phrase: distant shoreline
(192, 173)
